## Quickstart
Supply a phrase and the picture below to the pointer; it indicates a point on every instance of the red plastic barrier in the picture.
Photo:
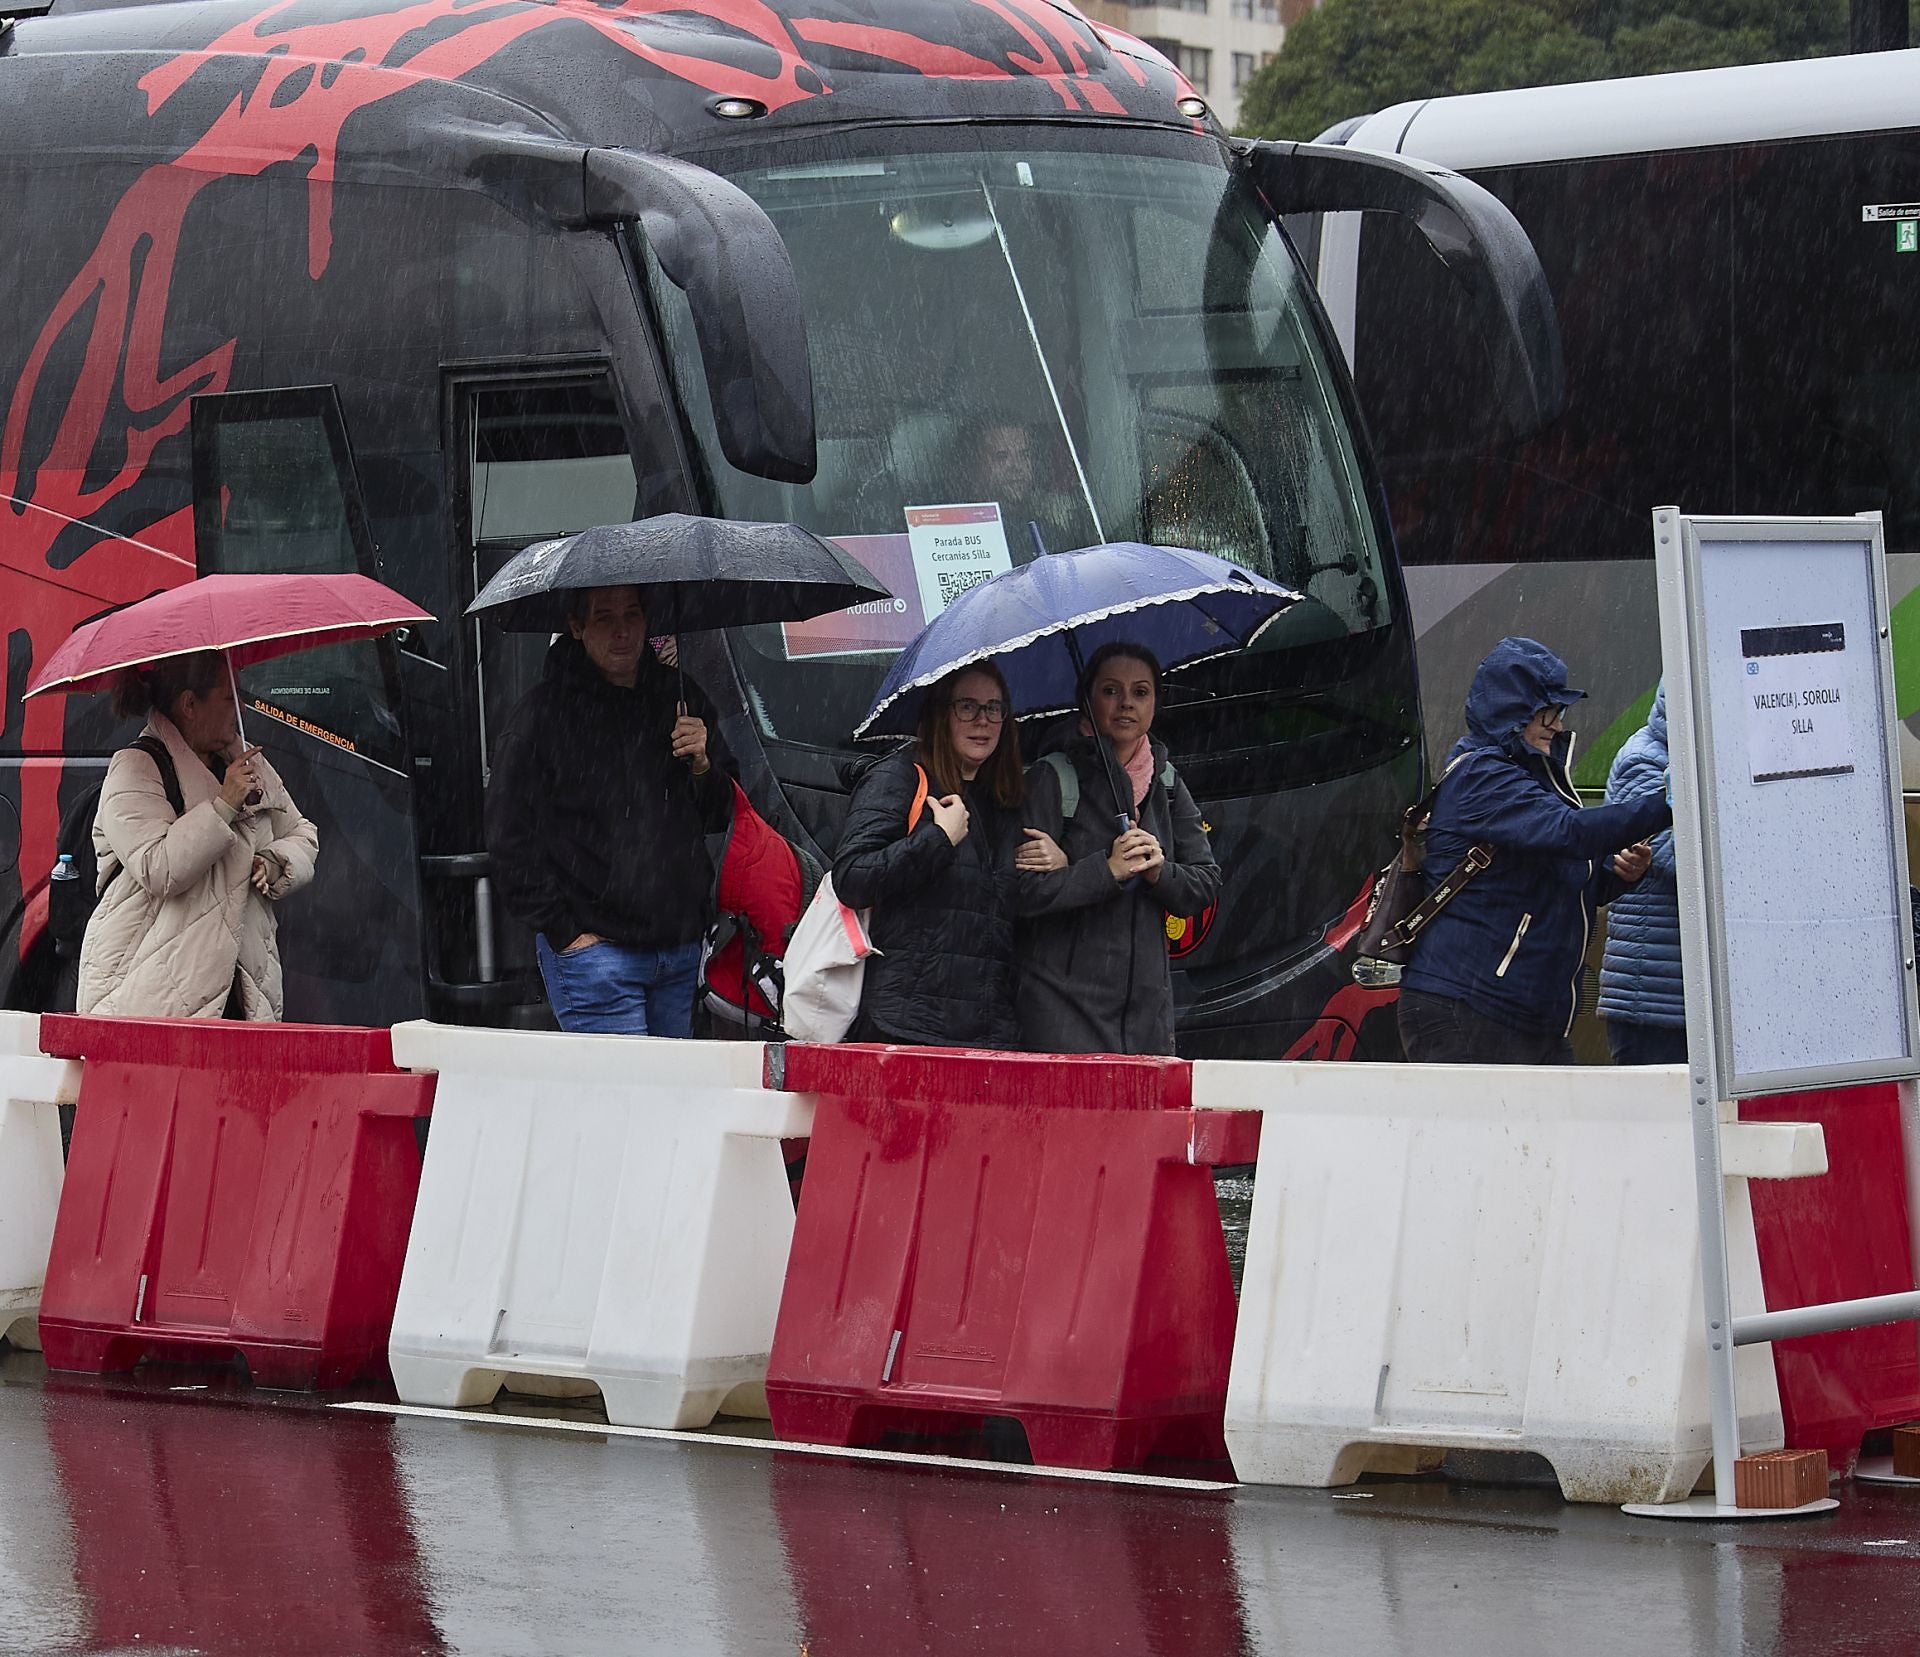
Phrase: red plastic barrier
(888, 1560)
(1010, 1235)
(232, 1187)
(234, 1532)
(1839, 1237)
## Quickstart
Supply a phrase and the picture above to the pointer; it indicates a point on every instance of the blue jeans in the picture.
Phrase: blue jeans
(616, 989)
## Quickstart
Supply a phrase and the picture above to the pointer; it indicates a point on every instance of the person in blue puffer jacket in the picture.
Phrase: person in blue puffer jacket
(1496, 974)
(1642, 995)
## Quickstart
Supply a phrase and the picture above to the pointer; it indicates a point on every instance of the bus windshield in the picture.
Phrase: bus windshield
(1017, 347)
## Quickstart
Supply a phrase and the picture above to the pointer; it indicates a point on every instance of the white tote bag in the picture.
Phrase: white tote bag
(826, 959)
(826, 963)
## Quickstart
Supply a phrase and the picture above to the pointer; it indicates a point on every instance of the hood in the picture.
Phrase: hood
(1517, 679)
(1054, 736)
(565, 656)
(1657, 717)
(567, 659)
(852, 770)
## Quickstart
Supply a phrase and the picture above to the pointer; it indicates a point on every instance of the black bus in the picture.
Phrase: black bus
(405, 285)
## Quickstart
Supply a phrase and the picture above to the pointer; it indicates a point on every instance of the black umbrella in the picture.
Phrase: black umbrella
(699, 573)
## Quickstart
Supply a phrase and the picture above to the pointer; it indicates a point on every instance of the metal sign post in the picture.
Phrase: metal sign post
(1790, 853)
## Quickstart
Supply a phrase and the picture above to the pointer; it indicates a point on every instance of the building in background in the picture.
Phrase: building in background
(1218, 44)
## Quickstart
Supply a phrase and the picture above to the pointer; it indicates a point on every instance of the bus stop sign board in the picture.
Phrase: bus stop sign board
(1789, 839)
(1796, 935)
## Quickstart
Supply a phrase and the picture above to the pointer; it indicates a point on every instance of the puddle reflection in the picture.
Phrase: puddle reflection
(889, 1561)
(235, 1529)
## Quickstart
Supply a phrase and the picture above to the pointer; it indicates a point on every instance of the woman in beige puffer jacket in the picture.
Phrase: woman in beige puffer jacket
(185, 927)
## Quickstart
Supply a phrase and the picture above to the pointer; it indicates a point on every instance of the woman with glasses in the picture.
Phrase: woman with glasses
(1495, 976)
(928, 840)
(1094, 975)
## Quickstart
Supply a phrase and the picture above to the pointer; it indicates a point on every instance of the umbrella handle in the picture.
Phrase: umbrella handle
(1132, 882)
(1109, 762)
(233, 684)
(239, 721)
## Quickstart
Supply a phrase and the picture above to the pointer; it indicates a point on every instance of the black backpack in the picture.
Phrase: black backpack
(70, 903)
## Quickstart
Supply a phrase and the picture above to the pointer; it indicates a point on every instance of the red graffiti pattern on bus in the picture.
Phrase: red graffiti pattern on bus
(1336, 1032)
(314, 78)
(1056, 41)
(294, 109)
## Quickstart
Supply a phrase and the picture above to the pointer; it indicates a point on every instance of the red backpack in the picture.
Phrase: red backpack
(761, 892)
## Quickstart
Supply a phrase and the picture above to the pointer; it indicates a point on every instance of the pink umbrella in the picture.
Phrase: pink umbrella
(253, 618)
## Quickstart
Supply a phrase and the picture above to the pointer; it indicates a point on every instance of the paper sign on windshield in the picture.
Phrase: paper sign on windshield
(1798, 722)
(954, 548)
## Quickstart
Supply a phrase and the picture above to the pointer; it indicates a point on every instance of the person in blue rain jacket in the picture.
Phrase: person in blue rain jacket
(1495, 977)
(1642, 995)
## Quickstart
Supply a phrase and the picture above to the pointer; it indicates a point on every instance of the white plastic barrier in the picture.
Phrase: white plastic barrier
(605, 1211)
(1448, 1256)
(32, 1088)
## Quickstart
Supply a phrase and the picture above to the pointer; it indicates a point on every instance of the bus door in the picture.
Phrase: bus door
(275, 489)
(533, 455)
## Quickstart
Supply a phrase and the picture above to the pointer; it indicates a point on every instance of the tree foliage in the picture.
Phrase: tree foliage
(1353, 57)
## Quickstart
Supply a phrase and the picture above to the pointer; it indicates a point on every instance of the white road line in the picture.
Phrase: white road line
(902, 1458)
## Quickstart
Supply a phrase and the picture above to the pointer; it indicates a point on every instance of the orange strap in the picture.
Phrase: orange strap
(919, 799)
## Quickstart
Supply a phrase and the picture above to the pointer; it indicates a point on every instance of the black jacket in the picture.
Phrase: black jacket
(1093, 972)
(592, 824)
(942, 914)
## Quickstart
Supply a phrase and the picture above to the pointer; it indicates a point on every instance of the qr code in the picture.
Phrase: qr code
(955, 582)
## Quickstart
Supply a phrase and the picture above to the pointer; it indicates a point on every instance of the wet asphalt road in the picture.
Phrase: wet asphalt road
(138, 1518)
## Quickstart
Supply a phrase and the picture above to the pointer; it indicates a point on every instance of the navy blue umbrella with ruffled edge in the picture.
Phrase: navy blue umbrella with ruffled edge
(1040, 622)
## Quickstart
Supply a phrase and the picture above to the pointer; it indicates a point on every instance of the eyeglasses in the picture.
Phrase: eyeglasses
(1554, 717)
(966, 710)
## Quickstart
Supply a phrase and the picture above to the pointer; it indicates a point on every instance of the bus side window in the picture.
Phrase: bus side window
(274, 490)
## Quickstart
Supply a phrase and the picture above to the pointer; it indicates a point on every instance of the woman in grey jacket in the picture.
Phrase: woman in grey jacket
(1642, 995)
(1091, 950)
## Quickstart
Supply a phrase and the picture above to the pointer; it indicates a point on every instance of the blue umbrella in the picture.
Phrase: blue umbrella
(1042, 621)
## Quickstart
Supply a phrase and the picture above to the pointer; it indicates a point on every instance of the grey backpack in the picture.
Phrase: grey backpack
(1069, 775)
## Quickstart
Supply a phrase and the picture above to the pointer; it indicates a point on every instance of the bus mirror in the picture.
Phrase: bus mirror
(1477, 238)
(715, 244)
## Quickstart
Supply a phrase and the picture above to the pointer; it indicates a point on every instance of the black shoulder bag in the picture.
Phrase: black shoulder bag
(1397, 914)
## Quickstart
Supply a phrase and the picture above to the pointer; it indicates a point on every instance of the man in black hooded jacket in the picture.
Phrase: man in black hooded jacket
(605, 786)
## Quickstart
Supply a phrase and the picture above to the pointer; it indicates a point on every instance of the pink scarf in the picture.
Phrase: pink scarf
(1139, 769)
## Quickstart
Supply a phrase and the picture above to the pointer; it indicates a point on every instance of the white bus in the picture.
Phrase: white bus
(1741, 331)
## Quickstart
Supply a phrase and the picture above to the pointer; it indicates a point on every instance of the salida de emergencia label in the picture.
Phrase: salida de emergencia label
(1797, 715)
